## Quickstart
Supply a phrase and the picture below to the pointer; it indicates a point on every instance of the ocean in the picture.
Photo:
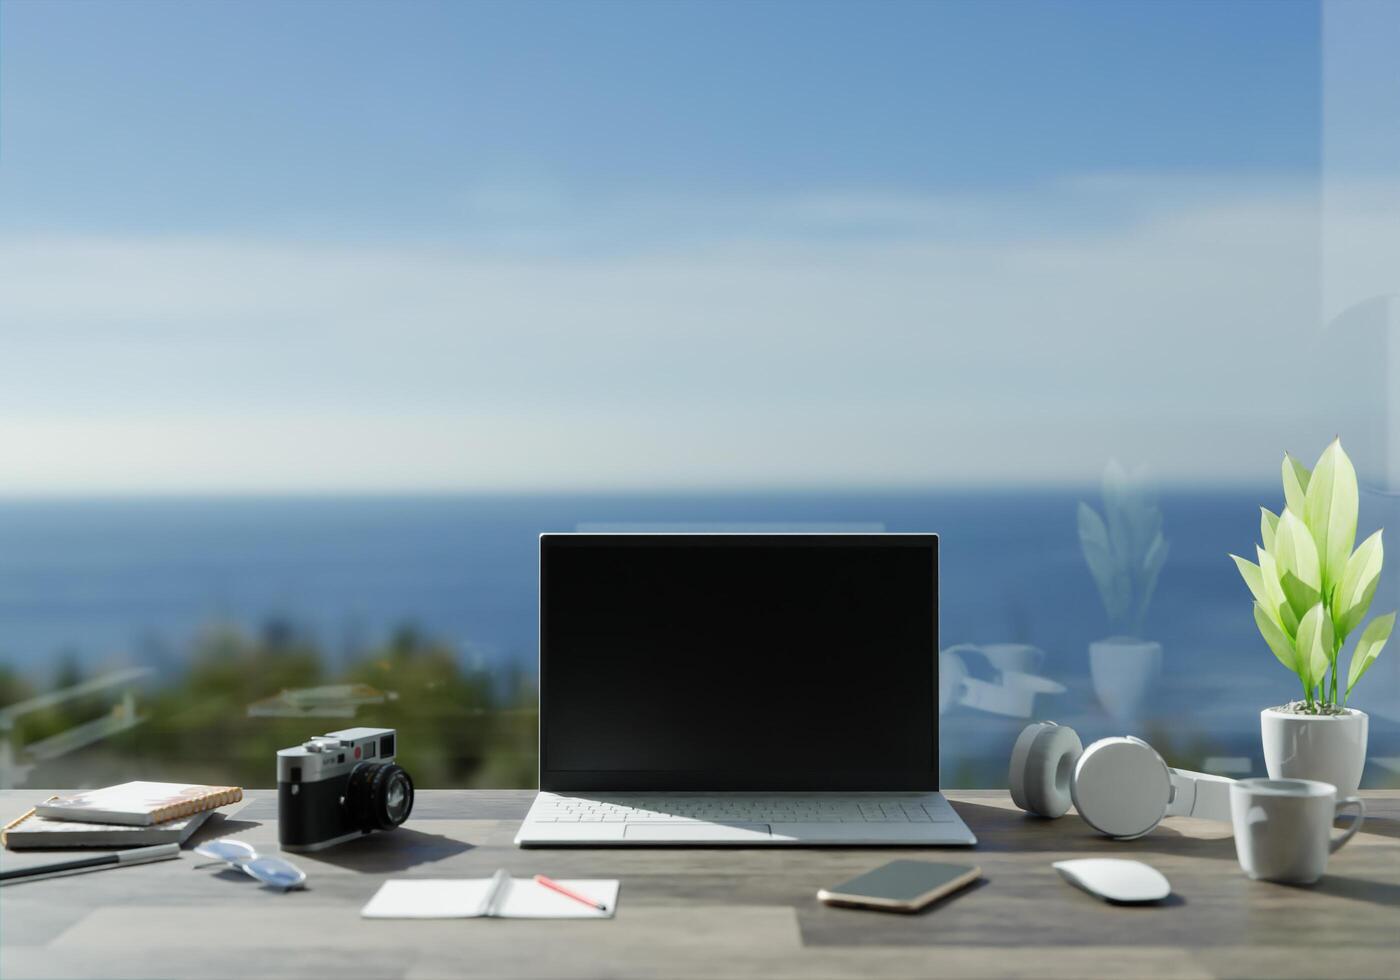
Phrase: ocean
(133, 581)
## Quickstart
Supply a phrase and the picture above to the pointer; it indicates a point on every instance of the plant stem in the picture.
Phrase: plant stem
(1336, 655)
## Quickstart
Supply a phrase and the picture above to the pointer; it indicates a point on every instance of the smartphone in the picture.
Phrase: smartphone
(901, 886)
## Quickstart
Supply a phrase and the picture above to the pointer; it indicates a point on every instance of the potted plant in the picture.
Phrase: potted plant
(1125, 552)
(1311, 592)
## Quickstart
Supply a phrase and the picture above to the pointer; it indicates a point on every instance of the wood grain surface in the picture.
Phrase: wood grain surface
(689, 912)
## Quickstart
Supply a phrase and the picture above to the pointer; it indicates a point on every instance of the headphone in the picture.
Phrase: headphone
(1120, 786)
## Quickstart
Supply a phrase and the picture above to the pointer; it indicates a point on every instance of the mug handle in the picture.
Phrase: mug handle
(1357, 819)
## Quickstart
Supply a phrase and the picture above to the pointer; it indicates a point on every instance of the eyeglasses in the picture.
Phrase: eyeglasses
(274, 871)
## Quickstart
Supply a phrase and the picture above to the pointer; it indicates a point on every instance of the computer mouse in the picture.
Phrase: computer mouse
(1116, 880)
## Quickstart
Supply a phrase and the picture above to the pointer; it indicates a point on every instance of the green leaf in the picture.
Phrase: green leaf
(1358, 585)
(1118, 493)
(1277, 640)
(1298, 570)
(1315, 639)
(1281, 612)
(1329, 510)
(1144, 520)
(1111, 580)
(1369, 647)
(1255, 580)
(1151, 569)
(1091, 526)
(1295, 483)
(1268, 523)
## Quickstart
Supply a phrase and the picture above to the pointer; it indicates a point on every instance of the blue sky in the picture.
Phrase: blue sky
(573, 244)
(373, 118)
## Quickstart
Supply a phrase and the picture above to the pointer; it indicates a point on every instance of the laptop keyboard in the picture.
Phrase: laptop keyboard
(785, 809)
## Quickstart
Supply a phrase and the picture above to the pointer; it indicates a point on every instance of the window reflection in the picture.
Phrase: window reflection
(216, 699)
(924, 294)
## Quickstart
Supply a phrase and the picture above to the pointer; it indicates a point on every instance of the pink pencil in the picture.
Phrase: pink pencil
(570, 893)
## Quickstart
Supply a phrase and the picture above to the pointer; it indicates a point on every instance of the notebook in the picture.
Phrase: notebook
(33, 831)
(138, 804)
(471, 898)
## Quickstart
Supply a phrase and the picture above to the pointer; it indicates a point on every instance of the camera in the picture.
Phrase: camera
(338, 786)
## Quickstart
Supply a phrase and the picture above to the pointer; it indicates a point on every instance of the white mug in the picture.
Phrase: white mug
(1283, 827)
(1020, 657)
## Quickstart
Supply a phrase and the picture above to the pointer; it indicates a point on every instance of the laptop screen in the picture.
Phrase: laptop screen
(738, 662)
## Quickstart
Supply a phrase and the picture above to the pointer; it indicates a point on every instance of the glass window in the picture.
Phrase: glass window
(309, 332)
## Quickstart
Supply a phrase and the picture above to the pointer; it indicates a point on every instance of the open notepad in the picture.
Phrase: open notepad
(499, 897)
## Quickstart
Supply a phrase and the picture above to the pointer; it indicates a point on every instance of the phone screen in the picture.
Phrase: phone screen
(903, 881)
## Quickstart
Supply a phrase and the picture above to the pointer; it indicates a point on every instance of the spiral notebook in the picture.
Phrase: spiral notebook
(474, 898)
(138, 804)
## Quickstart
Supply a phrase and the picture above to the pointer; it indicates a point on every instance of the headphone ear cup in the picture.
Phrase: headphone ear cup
(1121, 787)
(1042, 765)
(1016, 777)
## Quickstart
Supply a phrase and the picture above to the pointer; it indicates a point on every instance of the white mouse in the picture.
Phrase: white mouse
(1116, 880)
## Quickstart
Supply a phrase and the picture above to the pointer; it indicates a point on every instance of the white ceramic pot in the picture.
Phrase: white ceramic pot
(1123, 669)
(1325, 748)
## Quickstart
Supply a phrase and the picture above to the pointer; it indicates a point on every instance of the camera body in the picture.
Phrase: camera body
(339, 786)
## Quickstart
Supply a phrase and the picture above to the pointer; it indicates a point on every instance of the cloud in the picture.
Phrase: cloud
(831, 339)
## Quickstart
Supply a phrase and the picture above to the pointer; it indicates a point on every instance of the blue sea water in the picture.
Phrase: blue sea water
(132, 581)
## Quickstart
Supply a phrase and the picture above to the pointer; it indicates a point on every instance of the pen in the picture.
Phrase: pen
(555, 886)
(137, 855)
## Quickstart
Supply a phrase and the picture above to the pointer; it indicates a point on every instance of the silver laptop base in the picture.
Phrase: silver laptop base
(743, 820)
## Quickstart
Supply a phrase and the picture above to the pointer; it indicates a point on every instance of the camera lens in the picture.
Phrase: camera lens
(379, 796)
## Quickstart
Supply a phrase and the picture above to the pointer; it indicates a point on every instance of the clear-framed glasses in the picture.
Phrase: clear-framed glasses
(274, 871)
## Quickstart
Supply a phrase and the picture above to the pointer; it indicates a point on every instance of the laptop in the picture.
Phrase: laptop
(739, 689)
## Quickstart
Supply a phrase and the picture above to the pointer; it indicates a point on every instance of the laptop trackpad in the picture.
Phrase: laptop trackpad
(687, 832)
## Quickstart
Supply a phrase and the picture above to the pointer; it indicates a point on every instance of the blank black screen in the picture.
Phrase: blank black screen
(732, 662)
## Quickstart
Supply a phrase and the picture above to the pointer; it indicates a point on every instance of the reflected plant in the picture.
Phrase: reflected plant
(1311, 591)
(1124, 549)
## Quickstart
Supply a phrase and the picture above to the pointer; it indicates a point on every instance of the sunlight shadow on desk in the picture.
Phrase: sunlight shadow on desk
(1000, 829)
(1380, 826)
(381, 853)
(219, 828)
(1170, 902)
(1357, 889)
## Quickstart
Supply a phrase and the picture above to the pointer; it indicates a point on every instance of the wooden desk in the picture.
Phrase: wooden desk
(731, 913)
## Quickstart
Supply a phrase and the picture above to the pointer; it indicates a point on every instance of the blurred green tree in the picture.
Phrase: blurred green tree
(457, 727)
